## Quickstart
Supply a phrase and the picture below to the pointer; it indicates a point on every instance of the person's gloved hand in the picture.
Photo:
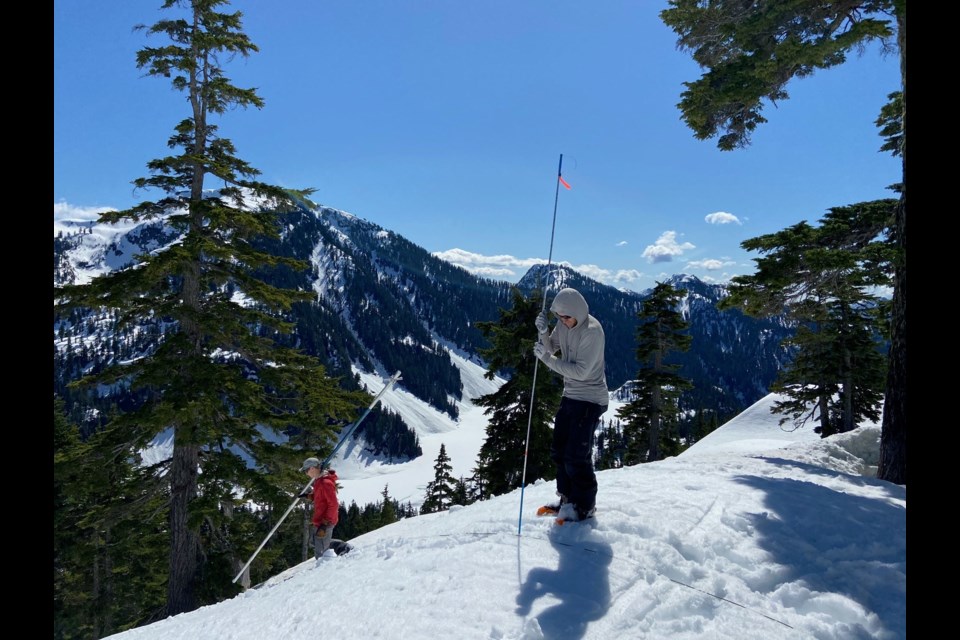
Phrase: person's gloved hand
(539, 350)
(541, 323)
(321, 531)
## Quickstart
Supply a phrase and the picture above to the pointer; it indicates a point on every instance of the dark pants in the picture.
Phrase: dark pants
(572, 451)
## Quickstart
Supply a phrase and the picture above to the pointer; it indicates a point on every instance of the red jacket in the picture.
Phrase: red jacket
(326, 507)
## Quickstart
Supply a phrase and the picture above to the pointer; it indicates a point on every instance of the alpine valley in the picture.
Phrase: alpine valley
(384, 304)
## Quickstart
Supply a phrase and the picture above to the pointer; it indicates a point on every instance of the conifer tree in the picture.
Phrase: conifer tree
(611, 447)
(461, 494)
(750, 51)
(836, 377)
(825, 279)
(388, 508)
(442, 491)
(703, 423)
(108, 569)
(501, 458)
(651, 418)
(217, 379)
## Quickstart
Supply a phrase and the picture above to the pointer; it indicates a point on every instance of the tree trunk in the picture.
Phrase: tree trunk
(893, 437)
(307, 531)
(184, 541)
(656, 417)
(235, 561)
(846, 376)
(823, 406)
(892, 466)
(108, 596)
(95, 621)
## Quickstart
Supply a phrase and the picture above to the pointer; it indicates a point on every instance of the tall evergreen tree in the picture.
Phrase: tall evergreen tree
(825, 278)
(500, 462)
(442, 491)
(751, 50)
(217, 379)
(651, 418)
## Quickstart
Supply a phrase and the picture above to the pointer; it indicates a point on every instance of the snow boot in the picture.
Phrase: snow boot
(572, 513)
(552, 509)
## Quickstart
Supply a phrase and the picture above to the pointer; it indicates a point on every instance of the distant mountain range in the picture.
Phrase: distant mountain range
(385, 304)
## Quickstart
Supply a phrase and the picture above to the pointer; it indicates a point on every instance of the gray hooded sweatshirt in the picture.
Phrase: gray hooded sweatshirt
(581, 361)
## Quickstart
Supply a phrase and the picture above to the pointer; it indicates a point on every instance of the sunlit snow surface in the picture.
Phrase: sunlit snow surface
(755, 533)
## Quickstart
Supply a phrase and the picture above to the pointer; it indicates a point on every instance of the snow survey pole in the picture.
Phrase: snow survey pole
(346, 434)
(536, 361)
(349, 430)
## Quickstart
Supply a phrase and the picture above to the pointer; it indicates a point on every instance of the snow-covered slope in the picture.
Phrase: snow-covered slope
(767, 536)
(363, 478)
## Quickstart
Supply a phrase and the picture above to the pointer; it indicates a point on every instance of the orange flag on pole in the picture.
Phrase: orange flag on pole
(563, 182)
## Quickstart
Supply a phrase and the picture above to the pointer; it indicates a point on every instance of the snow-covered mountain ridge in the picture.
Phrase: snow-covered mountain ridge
(384, 304)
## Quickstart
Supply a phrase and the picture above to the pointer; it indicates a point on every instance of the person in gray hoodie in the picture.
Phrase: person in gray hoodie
(579, 338)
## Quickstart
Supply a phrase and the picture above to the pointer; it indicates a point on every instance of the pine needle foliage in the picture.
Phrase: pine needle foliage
(651, 418)
(217, 379)
(108, 539)
(443, 489)
(750, 50)
(827, 278)
(500, 462)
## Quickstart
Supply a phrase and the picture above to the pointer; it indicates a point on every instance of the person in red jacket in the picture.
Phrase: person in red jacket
(326, 507)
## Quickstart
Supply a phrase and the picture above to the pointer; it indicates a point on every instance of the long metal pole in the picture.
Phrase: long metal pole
(274, 530)
(343, 438)
(386, 387)
(536, 363)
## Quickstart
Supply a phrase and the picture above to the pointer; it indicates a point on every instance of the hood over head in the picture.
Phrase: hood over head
(569, 302)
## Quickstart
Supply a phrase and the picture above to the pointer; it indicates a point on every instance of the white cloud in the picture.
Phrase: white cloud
(499, 266)
(511, 268)
(723, 278)
(463, 258)
(710, 264)
(494, 273)
(606, 276)
(722, 217)
(65, 211)
(666, 248)
(622, 243)
(627, 275)
(592, 271)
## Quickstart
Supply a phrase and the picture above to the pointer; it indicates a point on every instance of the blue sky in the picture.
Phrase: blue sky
(445, 121)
